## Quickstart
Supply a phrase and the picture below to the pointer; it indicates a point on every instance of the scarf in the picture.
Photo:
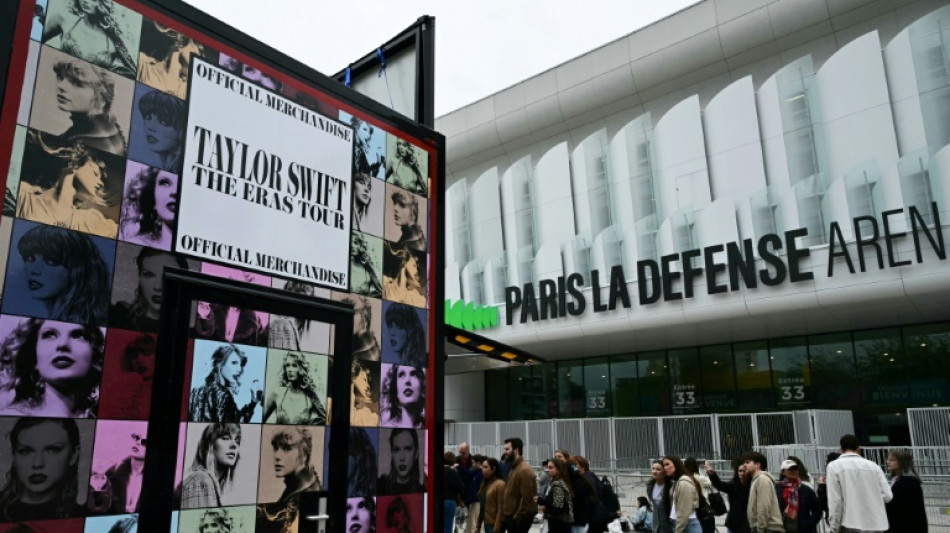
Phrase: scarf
(790, 493)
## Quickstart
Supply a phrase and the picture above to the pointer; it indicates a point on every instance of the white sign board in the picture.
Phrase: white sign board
(265, 183)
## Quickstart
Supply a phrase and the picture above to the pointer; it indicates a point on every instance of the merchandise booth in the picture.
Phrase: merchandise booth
(220, 283)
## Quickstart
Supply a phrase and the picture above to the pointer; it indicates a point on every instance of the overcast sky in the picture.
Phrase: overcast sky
(482, 46)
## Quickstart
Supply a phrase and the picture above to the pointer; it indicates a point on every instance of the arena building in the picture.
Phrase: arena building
(740, 208)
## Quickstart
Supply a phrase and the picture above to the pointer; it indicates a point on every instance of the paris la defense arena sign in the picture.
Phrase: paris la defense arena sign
(265, 183)
(671, 278)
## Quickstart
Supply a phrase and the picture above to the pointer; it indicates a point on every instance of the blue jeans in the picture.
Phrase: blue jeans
(449, 517)
(488, 528)
(692, 526)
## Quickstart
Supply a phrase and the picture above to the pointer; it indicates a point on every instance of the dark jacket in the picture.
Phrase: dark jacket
(661, 511)
(454, 487)
(468, 473)
(906, 513)
(736, 519)
(583, 499)
(118, 477)
(809, 510)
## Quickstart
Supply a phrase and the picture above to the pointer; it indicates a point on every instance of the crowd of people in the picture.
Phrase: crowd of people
(854, 495)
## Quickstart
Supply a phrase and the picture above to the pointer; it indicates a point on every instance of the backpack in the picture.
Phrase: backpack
(611, 501)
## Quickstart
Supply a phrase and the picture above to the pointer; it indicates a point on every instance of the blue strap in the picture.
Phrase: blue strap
(346, 78)
(382, 72)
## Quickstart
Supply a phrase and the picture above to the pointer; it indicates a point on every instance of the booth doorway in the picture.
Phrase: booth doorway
(243, 419)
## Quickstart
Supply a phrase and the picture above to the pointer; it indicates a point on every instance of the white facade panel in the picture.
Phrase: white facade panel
(681, 171)
(821, 132)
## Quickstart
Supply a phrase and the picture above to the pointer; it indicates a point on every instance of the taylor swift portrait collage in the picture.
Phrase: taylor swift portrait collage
(89, 218)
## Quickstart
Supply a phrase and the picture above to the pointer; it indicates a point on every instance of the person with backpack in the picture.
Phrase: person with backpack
(691, 465)
(601, 513)
(584, 496)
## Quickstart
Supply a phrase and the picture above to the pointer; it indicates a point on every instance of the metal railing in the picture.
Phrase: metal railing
(636, 440)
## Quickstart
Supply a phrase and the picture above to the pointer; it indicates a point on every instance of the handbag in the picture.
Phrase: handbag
(718, 503)
(705, 511)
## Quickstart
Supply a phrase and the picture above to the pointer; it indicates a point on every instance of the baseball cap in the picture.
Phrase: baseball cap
(788, 463)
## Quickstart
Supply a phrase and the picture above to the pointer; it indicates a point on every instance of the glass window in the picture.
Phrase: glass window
(791, 377)
(719, 379)
(834, 381)
(686, 379)
(596, 387)
(521, 395)
(654, 383)
(884, 391)
(546, 377)
(881, 367)
(570, 388)
(623, 379)
(753, 378)
(927, 355)
(496, 395)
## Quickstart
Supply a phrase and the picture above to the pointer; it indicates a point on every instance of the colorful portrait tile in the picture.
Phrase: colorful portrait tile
(39, 353)
(296, 388)
(227, 383)
(401, 461)
(137, 290)
(233, 448)
(230, 519)
(364, 393)
(291, 461)
(165, 59)
(369, 156)
(407, 165)
(118, 463)
(67, 467)
(367, 323)
(149, 206)
(235, 274)
(249, 73)
(39, 16)
(361, 465)
(404, 335)
(402, 400)
(80, 102)
(157, 133)
(127, 375)
(361, 514)
(59, 274)
(400, 513)
(368, 202)
(127, 523)
(104, 33)
(404, 275)
(366, 265)
(70, 186)
(293, 333)
(407, 219)
(224, 323)
(69, 525)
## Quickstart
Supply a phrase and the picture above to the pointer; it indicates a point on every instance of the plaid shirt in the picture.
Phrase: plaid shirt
(200, 489)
